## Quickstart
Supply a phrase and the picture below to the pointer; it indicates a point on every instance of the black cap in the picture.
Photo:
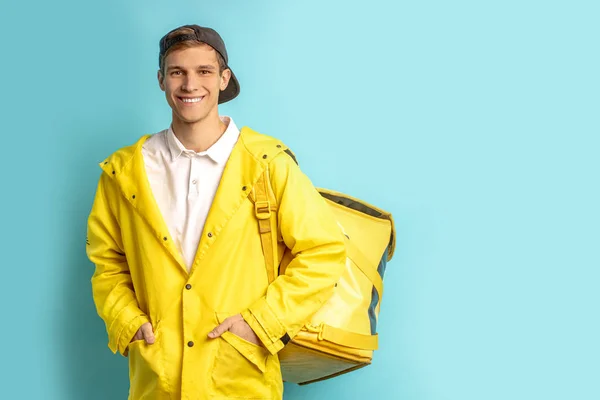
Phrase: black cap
(211, 38)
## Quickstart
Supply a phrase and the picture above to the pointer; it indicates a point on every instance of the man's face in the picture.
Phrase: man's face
(192, 82)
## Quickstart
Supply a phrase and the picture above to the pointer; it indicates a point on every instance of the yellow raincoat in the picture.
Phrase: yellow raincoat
(141, 277)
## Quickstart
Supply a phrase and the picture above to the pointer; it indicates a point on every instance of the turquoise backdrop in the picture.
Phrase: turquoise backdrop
(476, 123)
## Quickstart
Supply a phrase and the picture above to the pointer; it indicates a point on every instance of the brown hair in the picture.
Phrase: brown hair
(187, 44)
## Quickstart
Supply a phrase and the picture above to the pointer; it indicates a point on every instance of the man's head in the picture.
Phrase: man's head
(193, 72)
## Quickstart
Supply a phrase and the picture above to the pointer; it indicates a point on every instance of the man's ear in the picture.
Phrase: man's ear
(225, 77)
(161, 80)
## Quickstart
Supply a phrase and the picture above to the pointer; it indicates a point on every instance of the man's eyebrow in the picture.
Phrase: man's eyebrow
(211, 67)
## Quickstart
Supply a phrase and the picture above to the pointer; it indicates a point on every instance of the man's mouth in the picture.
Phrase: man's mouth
(190, 100)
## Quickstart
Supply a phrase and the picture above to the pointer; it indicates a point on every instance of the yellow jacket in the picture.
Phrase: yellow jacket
(141, 277)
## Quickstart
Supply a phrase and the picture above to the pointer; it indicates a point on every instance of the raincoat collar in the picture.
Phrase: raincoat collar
(249, 157)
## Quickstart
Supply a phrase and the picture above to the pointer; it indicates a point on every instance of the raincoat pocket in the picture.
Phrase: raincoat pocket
(253, 353)
(241, 368)
(146, 368)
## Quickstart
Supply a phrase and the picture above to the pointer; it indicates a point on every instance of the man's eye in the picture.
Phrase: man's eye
(176, 73)
(204, 72)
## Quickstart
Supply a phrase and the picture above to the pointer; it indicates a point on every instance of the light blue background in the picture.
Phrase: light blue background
(475, 123)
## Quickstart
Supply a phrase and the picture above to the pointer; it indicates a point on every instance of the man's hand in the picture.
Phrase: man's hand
(145, 333)
(238, 327)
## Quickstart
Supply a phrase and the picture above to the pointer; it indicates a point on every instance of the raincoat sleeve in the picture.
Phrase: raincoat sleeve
(310, 231)
(112, 286)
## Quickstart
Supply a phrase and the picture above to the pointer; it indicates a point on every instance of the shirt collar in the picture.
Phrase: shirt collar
(218, 152)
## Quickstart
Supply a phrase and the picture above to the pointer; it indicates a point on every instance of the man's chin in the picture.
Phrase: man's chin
(190, 120)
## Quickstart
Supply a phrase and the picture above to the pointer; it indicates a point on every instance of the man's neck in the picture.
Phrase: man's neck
(199, 136)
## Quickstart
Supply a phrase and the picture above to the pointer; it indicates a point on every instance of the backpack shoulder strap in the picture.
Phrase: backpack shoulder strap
(265, 210)
(263, 197)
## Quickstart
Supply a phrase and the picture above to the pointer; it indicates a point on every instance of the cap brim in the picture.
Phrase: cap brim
(231, 91)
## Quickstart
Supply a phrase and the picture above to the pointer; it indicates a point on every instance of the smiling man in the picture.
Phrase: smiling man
(181, 280)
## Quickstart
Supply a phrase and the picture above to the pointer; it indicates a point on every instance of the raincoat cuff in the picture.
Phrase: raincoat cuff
(127, 332)
(266, 326)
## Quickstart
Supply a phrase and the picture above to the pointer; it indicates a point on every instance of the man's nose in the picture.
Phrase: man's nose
(190, 84)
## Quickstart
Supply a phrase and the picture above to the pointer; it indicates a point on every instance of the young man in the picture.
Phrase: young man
(181, 279)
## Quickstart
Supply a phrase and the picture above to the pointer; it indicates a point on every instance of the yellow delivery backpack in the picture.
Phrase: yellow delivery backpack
(342, 335)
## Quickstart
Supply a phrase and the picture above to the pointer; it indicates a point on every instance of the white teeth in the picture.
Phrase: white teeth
(195, 100)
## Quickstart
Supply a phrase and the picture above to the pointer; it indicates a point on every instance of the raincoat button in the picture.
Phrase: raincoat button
(265, 156)
(209, 234)
(188, 286)
(190, 344)
(278, 146)
(244, 188)
(113, 172)
(106, 162)
(165, 238)
(133, 197)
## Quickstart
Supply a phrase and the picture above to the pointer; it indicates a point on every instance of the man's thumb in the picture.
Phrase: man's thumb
(222, 328)
(147, 332)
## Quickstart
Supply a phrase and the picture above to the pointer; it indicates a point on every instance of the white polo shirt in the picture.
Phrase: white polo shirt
(184, 183)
